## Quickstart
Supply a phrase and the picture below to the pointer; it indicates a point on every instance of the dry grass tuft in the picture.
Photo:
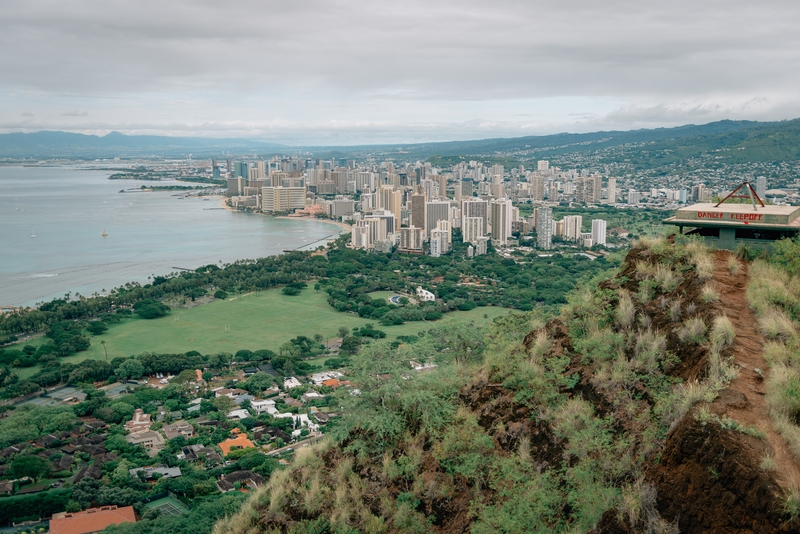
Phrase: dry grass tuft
(734, 266)
(722, 333)
(708, 294)
(667, 279)
(704, 264)
(675, 311)
(626, 310)
(541, 346)
(775, 324)
(693, 331)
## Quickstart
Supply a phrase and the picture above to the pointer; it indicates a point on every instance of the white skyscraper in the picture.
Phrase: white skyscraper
(598, 231)
(544, 228)
(572, 226)
(633, 196)
(471, 229)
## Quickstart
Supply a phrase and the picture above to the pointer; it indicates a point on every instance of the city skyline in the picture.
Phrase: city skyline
(322, 73)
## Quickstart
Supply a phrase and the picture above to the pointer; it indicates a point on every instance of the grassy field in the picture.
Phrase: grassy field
(256, 321)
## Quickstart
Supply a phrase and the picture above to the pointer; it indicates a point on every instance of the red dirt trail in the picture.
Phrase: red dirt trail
(748, 354)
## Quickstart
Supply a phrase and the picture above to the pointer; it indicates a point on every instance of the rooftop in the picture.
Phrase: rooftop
(239, 442)
(708, 214)
(92, 520)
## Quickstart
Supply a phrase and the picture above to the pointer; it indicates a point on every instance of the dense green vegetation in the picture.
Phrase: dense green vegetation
(348, 277)
(529, 426)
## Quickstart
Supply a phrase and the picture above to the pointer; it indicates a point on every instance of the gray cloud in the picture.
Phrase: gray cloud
(75, 113)
(350, 70)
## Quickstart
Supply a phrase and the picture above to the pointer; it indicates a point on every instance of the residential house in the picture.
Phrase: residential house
(244, 478)
(151, 440)
(291, 382)
(239, 441)
(91, 520)
(230, 393)
(238, 414)
(311, 396)
(178, 428)
(320, 378)
(140, 421)
(263, 406)
(150, 472)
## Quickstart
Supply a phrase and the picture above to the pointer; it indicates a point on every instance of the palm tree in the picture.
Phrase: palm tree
(103, 342)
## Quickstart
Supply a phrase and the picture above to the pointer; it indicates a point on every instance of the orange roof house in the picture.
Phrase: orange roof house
(331, 383)
(91, 520)
(238, 442)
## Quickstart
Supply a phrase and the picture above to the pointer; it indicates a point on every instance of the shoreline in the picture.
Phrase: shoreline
(345, 227)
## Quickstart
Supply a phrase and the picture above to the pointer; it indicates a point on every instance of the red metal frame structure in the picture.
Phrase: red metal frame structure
(751, 194)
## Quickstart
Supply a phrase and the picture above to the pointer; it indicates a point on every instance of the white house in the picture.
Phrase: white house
(291, 382)
(424, 295)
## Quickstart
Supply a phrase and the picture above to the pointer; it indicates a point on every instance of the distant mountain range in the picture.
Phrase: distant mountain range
(759, 141)
(73, 145)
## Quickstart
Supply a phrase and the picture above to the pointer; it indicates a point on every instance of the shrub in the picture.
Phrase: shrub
(722, 333)
(675, 311)
(776, 324)
(693, 331)
(666, 278)
(708, 294)
(626, 311)
(703, 263)
(734, 267)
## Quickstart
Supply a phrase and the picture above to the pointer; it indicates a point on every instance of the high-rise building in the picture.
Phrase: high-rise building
(283, 199)
(544, 228)
(417, 211)
(447, 227)
(501, 221)
(389, 199)
(411, 238)
(241, 170)
(537, 186)
(341, 207)
(698, 193)
(359, 236)
(215, 169)
(761, 186)
(475, 207)
(598, 231)
(466, 188)
(553, 194)
(236, 186)
(634, 196)
(572, 227)
(612, 191)
(482, 245)
(542, 165)
(471, 229)
(442, 179)
(438, 243)
(434, 212)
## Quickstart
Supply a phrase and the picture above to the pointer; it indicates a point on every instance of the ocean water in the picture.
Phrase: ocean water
(67, 208)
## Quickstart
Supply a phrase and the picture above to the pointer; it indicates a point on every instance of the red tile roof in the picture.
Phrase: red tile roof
(92, 520)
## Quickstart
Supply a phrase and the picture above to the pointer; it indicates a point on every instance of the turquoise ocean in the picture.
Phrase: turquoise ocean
(149, 233)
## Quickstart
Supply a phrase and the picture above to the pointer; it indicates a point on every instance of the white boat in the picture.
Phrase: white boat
(104, 234)
(32, 234)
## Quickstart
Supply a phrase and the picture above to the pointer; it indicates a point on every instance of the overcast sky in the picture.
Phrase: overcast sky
(359, 71)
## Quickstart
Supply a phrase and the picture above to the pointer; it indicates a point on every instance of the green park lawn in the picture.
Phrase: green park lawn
(264, 320)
